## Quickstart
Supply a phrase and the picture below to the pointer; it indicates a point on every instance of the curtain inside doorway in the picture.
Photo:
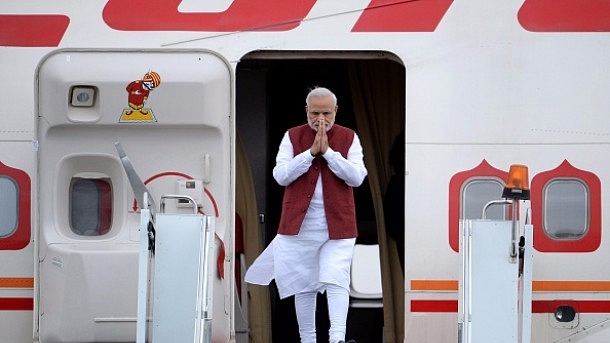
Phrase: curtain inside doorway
(378, 90)
(259, 303)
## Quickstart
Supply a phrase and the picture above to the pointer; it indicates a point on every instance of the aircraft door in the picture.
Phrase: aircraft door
(171, 111)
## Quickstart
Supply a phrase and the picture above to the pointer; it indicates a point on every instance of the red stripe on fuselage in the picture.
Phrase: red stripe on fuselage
(538, 306)
(16, 304)
(32, 30)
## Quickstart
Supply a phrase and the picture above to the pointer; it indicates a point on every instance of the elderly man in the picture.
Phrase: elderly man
(318, 163)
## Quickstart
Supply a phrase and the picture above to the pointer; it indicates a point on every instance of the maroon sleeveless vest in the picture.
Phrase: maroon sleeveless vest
(338, 196)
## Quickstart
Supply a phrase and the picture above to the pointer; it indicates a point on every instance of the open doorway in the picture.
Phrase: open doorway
(270, 98)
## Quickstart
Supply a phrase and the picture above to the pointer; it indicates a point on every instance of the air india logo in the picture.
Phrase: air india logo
(138, 92)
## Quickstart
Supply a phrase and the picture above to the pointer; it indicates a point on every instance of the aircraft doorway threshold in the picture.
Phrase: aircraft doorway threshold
(270, 98)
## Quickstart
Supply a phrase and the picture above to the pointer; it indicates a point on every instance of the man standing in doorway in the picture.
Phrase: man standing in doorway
(318, 163)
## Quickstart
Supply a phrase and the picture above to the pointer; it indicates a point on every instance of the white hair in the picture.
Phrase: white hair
(321, 92)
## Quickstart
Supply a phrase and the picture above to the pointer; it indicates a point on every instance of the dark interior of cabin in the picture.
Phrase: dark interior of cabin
(270, 98)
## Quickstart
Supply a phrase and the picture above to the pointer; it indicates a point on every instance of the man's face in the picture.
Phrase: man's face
(321, 109)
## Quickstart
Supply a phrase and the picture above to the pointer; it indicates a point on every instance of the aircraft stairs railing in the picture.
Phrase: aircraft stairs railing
(175, 268)
(174, 275)
(495, 283)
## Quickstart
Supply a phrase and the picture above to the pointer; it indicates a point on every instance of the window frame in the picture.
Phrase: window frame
(105, 204)
(483, 171)
(22, 235)
(591, 240)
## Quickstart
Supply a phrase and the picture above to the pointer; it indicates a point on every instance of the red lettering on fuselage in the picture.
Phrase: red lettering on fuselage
(242, 15)
(270, 15)
(565, 15)
(402, 16)
(32, 30)
(47, 30)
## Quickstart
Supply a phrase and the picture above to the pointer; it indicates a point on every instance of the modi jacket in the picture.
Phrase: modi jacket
(338, 196)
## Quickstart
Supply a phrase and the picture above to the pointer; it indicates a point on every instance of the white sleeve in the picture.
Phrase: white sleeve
(350, 169)
(287, 166)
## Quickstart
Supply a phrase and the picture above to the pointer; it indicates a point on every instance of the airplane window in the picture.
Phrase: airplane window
(476, 193)
(469, 191)
(566, 208)
(90, 206)
(9, 206)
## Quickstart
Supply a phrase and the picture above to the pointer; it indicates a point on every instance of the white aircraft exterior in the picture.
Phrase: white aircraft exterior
(193, 88)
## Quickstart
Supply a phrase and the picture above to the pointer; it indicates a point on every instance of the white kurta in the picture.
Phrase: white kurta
(309, 260)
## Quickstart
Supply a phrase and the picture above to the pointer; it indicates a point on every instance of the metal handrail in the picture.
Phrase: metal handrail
(514, 246)
(178, 197)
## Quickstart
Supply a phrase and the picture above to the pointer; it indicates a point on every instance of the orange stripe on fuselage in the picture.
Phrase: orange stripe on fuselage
(434, 285)
(571, 286)
(16, 282)
(537, 286)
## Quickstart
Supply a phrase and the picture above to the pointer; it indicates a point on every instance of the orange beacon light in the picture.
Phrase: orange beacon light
(517, 185)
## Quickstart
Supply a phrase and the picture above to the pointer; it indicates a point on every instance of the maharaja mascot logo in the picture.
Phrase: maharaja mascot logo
(138, 92)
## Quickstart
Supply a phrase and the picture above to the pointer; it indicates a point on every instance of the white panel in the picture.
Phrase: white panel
(494, 284)
(177, 251)
(489, 288)
(366, 272)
